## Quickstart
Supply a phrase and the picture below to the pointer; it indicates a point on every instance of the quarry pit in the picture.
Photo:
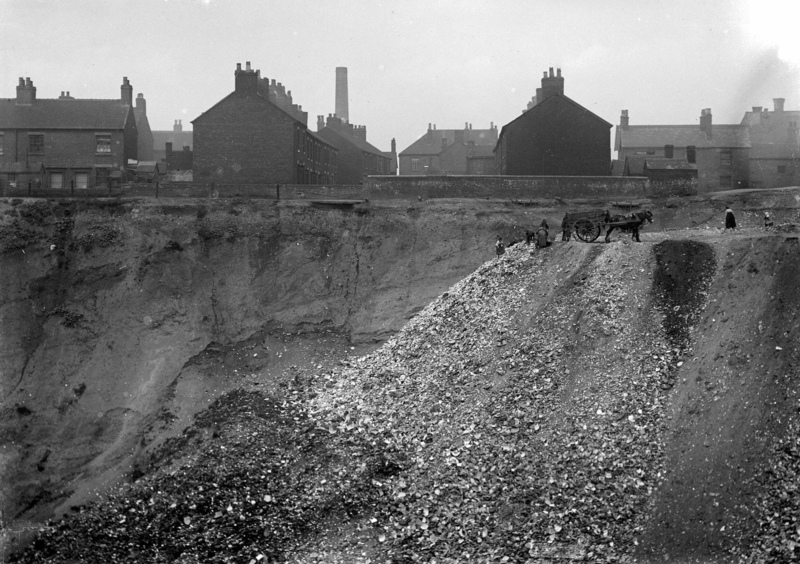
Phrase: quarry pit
(300, 380)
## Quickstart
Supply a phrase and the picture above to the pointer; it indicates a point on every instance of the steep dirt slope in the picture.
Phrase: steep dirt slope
(623, 402)
(121, 319)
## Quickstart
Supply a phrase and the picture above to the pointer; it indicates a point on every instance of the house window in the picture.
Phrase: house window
(56, 180)
(414, 164)
(36, 143)
(725, 158)
(103, 174)
(81, 180)
(691, 154)
(725, 181)
(12, 180)
(103, 144)
(781, 169)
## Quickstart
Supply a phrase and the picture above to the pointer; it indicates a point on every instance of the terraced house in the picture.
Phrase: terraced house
(65, 143)
(257, 135)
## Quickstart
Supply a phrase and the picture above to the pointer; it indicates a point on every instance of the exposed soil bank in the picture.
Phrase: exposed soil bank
(143, 314)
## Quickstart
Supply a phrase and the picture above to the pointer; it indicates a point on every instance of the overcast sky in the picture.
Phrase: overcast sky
(414, 62)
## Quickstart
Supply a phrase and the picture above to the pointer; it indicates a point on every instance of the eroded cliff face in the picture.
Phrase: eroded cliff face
(120, 320)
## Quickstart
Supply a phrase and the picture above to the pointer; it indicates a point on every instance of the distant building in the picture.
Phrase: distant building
(721, 152)
(554, 136)
(446, 151)
(774, 159)
(179, 160)
(357, 158)
(66, 142)
(257, 135)
(144, 144)
(178, 137)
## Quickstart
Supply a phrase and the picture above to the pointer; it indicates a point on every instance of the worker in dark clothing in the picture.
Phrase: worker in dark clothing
(767, 220)
(730, 219)
(499, 247)
(543, 235)
(566, 232)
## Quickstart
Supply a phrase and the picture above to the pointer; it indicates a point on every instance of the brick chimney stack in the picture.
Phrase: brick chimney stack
(246, 80)
(623, 120)
(394, 145)
(778, 104)
(141, 103)
(177, 127)
(551, 85)
(320, 123)
(126, 92)
(342, 106)
(26, 92)
(706, 122)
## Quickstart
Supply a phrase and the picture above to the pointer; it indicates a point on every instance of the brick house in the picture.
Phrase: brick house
(257, 135)
(66, 142)
(555, 136)
(445, 151)
(357, 158)
(774, 146)
(721, 152)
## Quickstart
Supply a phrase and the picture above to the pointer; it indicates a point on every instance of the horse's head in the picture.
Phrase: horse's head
(648, 215)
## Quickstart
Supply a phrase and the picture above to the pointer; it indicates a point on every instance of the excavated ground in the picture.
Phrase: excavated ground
(215, 373)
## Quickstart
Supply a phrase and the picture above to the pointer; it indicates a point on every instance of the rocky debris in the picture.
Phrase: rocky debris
(517, 442)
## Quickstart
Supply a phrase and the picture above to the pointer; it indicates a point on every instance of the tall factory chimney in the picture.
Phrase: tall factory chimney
(341, 94)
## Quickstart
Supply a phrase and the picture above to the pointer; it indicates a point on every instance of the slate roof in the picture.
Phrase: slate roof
(352, 139)
(63, 114)
(542, 107)
(650, 136)
(432, 145)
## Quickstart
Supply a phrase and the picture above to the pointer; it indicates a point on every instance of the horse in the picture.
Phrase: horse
(628, 223)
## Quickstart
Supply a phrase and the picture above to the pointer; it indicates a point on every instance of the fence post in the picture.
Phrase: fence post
(72, 188)
(278, 191)
(156, 188)
(30, 184)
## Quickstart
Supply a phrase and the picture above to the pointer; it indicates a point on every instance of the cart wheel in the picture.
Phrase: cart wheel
(586, 230)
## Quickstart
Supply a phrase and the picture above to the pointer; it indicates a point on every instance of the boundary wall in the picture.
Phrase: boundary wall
(388, 188)
(506, 187)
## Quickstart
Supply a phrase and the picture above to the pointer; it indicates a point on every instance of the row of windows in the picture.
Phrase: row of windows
(36, 143)
(81, 179)
(315, 152)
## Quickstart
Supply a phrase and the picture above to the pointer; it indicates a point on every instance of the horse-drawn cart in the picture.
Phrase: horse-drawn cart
(586, 225)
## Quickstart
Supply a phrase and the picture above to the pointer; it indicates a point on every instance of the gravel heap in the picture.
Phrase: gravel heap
(526, 426)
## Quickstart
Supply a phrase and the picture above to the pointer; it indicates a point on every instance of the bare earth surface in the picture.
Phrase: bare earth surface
(246, 381)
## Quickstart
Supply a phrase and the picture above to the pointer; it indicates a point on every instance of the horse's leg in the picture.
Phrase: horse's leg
(636, 234)
(608, 233)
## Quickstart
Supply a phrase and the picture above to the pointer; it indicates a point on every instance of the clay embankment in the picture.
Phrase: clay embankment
(604, 337)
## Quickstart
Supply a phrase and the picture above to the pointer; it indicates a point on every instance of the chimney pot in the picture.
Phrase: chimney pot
(238, 66)
(551, 71)
(757, 109)
(247, 66)
(558, 72)
(778, 104)
(62, 93)
(21, 81)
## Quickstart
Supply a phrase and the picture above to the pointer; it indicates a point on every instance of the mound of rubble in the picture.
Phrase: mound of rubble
(523, 416)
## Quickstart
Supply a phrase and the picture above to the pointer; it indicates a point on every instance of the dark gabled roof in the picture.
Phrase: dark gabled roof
(542, 107)
(63, 114)
(337, 136)
(668, 164)
(431, 142)
(617, 167)
(161, 138)
(257, 96)
(649, 136)
(321, 139)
